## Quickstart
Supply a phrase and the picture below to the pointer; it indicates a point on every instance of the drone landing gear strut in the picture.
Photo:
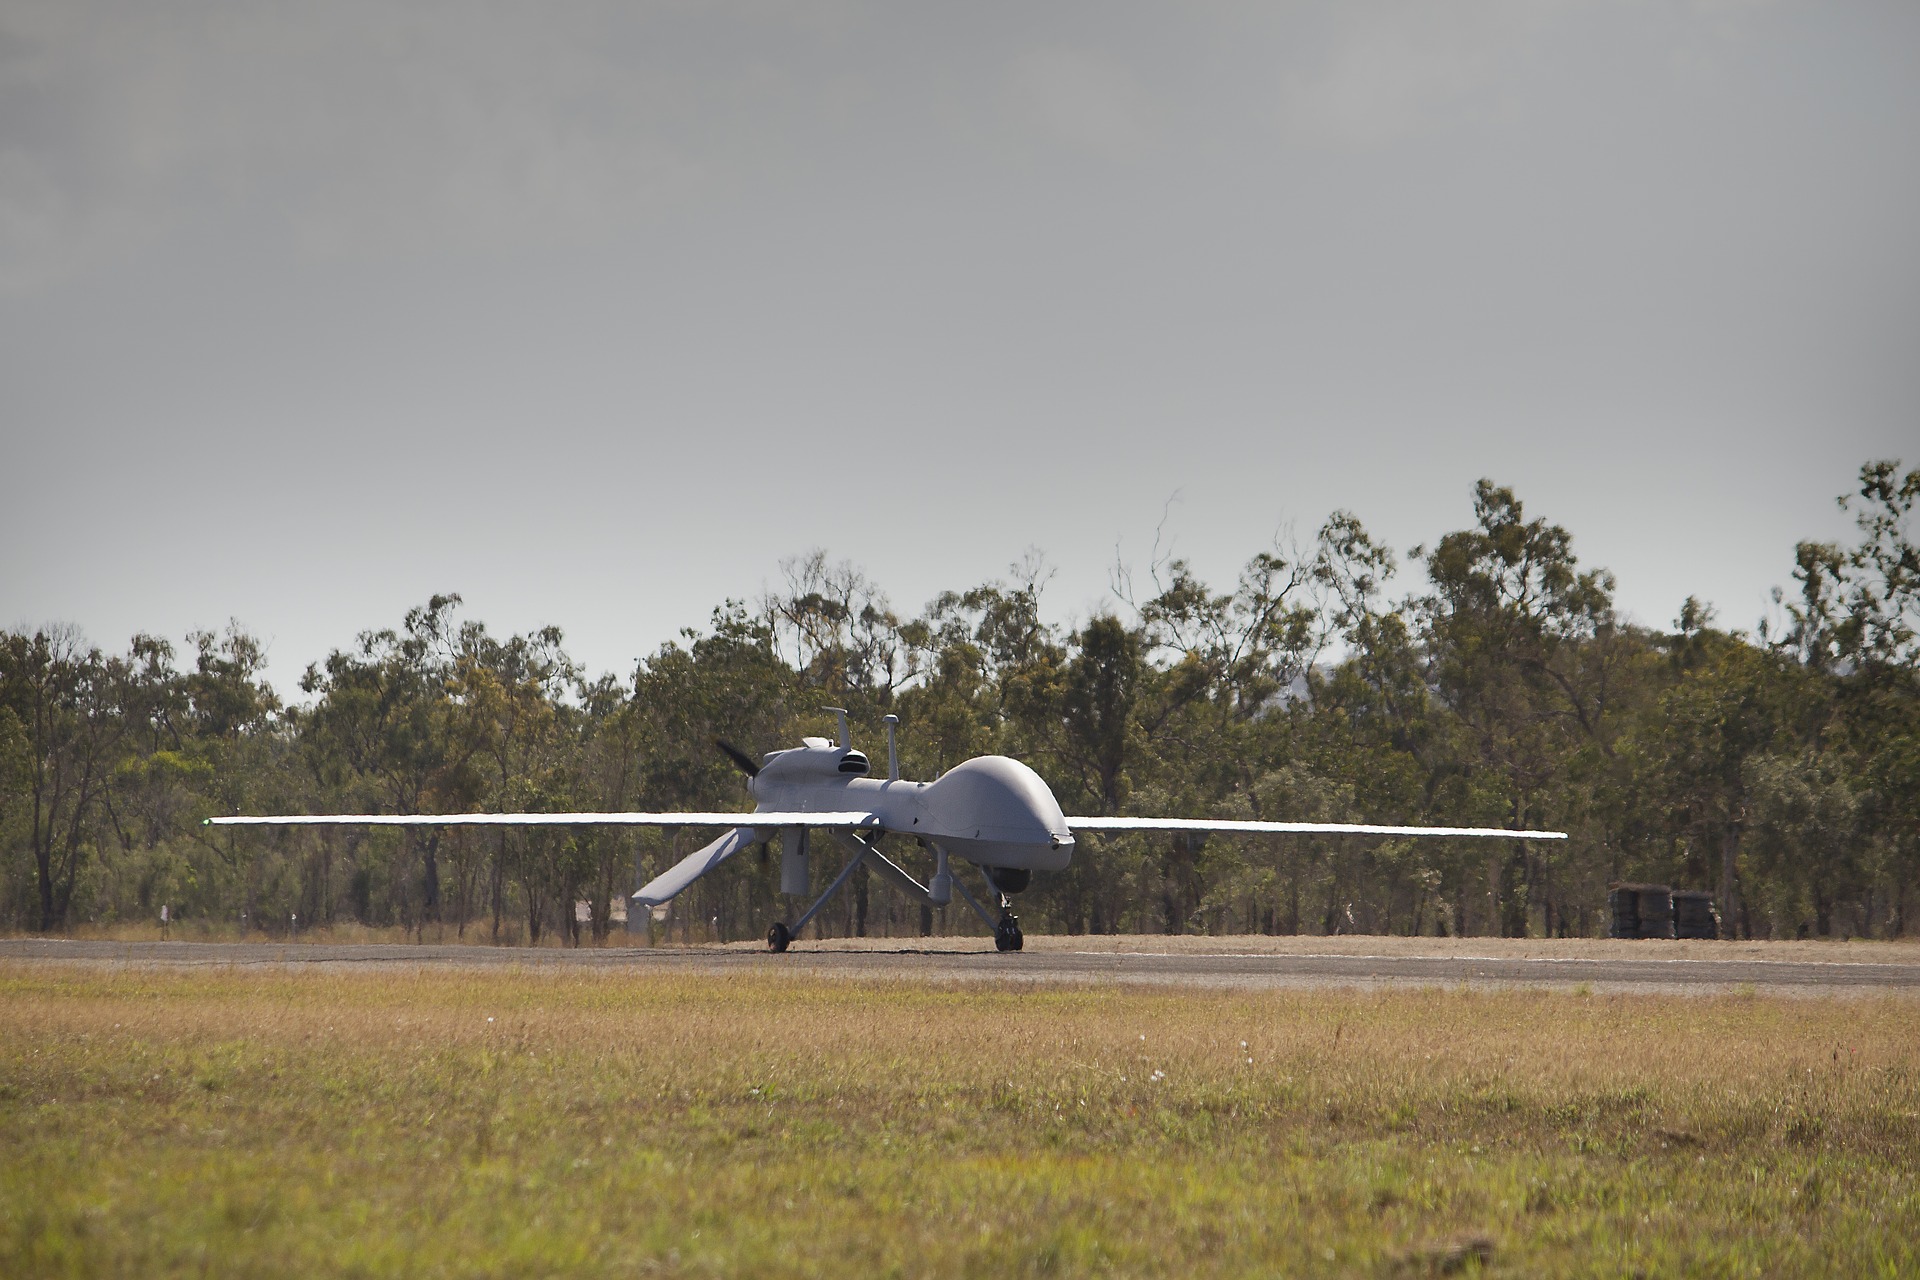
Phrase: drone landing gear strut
(781, 935)
(1006, 928)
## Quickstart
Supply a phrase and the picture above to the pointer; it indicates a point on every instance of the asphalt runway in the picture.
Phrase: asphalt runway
(949, 960)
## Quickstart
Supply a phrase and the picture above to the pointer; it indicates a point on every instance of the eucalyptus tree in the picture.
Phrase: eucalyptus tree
(381, 734)
(505, 729)
(1855, 622)
(1378, 733)
(66, 698)
(1807, 840)
(1686, 809)
(988, 669)
(1522, 647)
(1882, 584)
(237, 729)
(1232, 661)
(836, 629)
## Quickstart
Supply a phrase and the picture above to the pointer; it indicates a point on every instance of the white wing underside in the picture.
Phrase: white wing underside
(849, 820)
(1297, 828)
(747, 829)
(846, 820)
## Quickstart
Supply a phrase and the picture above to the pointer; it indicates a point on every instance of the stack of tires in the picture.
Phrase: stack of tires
(1623, 902)
(1656, 911)
(1694, 916)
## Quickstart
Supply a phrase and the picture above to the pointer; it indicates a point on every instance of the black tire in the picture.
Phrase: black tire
(1007, 935)
(779, 938)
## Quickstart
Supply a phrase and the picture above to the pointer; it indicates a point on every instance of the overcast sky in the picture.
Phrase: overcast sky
(596, 312)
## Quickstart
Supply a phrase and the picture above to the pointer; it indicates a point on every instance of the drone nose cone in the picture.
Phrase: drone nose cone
(994, 807)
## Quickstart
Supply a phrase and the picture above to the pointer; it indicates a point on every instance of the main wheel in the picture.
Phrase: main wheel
(1007, 935)
(779, 937)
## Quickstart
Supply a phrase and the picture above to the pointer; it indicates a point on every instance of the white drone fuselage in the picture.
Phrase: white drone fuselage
(992, 810)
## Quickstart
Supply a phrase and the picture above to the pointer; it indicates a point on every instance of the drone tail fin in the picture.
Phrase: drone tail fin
(669, 883)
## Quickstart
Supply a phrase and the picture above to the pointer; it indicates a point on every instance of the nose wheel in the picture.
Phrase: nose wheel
(1006, 934)
(779, 938)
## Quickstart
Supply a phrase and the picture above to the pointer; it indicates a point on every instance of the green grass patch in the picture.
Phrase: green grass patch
(520, 1122)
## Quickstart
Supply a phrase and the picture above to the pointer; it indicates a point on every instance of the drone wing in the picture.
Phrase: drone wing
(1225, 826)
(766, 818)
(661, 888)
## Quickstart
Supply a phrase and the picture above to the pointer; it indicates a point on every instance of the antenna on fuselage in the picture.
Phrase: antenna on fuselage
(846, 740)
(893, 749)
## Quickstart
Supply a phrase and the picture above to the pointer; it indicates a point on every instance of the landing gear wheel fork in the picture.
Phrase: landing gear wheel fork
(1006, 934)
(779, 937)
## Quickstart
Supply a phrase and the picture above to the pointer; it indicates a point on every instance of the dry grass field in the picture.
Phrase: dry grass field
(451, 1121)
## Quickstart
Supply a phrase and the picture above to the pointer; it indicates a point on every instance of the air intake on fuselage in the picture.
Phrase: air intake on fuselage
(855, 762)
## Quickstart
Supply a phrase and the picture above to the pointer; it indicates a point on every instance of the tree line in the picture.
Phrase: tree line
(1779, 768)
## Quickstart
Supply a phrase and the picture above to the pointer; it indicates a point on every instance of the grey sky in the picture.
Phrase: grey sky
(595, 312)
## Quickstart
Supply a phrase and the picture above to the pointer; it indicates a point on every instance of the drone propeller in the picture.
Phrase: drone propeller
(746, 762)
